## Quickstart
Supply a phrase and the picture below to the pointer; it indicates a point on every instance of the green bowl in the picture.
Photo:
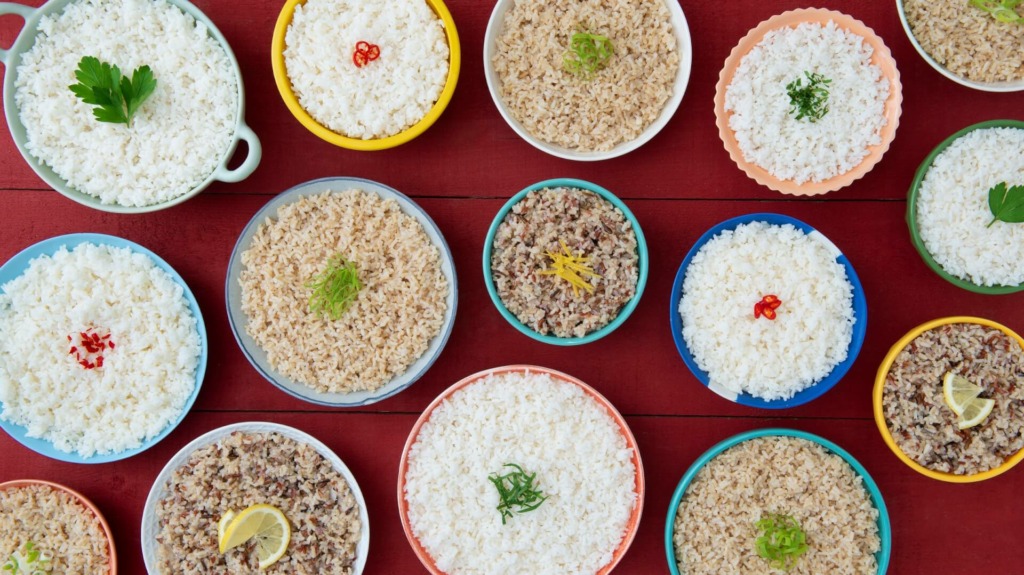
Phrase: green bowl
(915, 236)
(642, 263)
(11, 59)
(884, 552)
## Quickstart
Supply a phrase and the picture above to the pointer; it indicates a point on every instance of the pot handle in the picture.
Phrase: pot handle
(19, 10)
(251, 161)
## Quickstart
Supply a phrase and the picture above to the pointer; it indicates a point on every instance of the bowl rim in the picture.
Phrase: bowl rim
(148, 523)
(684, 45)
(911, 217)
(291, 101)
(240, 129)
(882, 556)
(643, 262)
(860, 310)
(881, 57)
(250, 349)
(632, 525)
(83, 500)
(16, 266)
(1005, 86)
(879, 387)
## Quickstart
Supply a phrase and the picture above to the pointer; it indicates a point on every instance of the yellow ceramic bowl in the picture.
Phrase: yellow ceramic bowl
(292, 102)
(883, 370)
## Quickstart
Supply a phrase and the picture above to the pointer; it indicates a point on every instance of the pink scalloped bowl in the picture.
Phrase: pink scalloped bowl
(880, 57)
(639, 486)
(81, 499)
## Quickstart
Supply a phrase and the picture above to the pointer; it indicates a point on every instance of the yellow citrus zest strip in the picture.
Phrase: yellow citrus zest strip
(571, 268)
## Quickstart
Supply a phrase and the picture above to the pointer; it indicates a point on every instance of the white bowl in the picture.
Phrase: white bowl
(150, 525)
(682, 31)
(1015, 86)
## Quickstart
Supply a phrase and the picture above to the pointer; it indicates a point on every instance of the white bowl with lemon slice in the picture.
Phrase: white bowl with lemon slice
(283, 514)
(948, 399)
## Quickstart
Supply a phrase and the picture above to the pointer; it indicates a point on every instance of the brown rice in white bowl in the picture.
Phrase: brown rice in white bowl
(246, 464)
(595, 116)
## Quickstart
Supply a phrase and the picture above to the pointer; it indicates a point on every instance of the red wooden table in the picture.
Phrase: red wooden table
(461, 171)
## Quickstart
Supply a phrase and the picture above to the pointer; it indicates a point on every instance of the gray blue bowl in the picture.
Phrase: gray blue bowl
(642, 263)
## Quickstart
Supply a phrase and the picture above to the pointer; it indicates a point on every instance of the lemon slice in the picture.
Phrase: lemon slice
(976, 412)
(222, 525)
(266, 525)
(958, 392)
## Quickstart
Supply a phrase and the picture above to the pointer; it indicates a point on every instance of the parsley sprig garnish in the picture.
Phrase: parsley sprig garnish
(1006, 203)
(1002, 10)
(782, 541)
(517, 492)
(810, 100)
(116, 97)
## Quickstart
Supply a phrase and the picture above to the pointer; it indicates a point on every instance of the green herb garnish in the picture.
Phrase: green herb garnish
(810, 101)
(1001, 10)
(517, 492)
(335, 288)
(782, 541)
(28, 561)
(1006, 204)
(116, 97)
(587, 54)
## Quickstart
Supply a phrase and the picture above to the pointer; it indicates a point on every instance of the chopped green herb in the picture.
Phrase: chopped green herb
(335, 288)
(1002, 10)
(116, 97)
(516, 491)
(1006, 204)
(782, 542)
(28, 561)
(587, 54)
(810, 101)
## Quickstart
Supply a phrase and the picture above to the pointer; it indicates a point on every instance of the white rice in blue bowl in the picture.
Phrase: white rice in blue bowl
(746, 348)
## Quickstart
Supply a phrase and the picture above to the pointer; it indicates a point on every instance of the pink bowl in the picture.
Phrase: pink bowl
(112, 552)
(634, 519)
(881, 57)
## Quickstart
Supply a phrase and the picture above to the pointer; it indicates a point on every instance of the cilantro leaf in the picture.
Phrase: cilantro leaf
(116, 97)
(1006, 204)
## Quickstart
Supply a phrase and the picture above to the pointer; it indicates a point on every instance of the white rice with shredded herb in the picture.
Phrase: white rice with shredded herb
(145, 380)
(770, 136)
(551, 428)
(769, 359)
(953, 213)
(386, 95)
(178, 136)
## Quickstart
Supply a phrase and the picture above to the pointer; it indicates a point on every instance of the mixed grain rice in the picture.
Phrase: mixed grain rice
(57, 524)
(619, 103)
(396, 314)
(587, 223)
(714, 527)
(968, 41)
(246, 469)
(925, 428)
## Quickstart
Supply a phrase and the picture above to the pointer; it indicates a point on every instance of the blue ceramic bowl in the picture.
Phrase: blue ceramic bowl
(884, 529)
(19, 263)
(258, 357)
(642, 263)
(860, 314)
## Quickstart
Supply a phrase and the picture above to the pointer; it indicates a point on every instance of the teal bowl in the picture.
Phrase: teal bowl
(11, 59)
(642, 263)
(915, 234)
(884, 529)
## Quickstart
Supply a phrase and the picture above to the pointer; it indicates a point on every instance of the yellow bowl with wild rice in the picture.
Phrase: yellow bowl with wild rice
(291, 99)
(883, 424)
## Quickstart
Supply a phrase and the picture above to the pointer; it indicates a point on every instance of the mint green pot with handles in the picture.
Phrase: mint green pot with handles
(11, 59)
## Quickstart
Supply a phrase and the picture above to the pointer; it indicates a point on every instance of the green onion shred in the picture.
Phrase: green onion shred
(517, 492)
(335, 288)
(781, 542)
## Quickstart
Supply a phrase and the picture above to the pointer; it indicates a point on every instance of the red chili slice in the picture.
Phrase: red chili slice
(362, 46)
(359, 59)
(373, 52)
